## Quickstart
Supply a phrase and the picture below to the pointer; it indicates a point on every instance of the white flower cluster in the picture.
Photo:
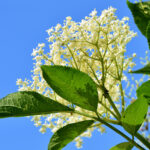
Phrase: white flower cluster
(96, 46)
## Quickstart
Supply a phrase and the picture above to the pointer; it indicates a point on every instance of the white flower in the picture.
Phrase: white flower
(38, 123)
(93, 13)
(42, 130)
(41, 45)
(58, 27)
(134, 54)
(19, 82)
(78, 142)
(68, 18)
(86, 45)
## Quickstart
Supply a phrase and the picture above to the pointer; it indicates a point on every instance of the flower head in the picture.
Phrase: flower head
(96, 46)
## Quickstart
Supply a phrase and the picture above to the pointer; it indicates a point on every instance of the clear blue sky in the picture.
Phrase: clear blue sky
(22, 26)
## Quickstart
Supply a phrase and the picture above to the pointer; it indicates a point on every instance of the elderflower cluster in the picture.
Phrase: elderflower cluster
(96, 46)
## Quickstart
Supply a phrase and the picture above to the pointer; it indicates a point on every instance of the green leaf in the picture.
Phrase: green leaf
(123, 146)
(68, 133)
(148, 34)
(73, 85)
(144, 90)
(27, 103)
(141, 14)
(134, 115)
(144, 70)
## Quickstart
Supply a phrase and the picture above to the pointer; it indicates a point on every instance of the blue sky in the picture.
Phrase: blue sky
(22, 26)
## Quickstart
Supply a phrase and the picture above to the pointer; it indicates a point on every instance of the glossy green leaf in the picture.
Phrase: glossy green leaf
(73, 85)
(144, 90)
(148, 34)
(27, 103)
(68, 133)
(141, 14)
(123, 146)
(144, 70)
(134, 115)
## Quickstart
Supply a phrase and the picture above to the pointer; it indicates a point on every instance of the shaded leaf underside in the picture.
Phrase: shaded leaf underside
(68, 133)
(27, 103)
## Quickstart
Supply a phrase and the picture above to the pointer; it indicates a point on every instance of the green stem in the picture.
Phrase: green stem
(89, 116)
(121, 89)
(119, 132)
(48, 59)
(99, 83)
(106, 94)
(142, 139)
(110, 120)
(113, 105)
(84, 114)
(108, 110)
(72, 56)
(89, 56)
(93, 72)
(122, 98)
(96, 125)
